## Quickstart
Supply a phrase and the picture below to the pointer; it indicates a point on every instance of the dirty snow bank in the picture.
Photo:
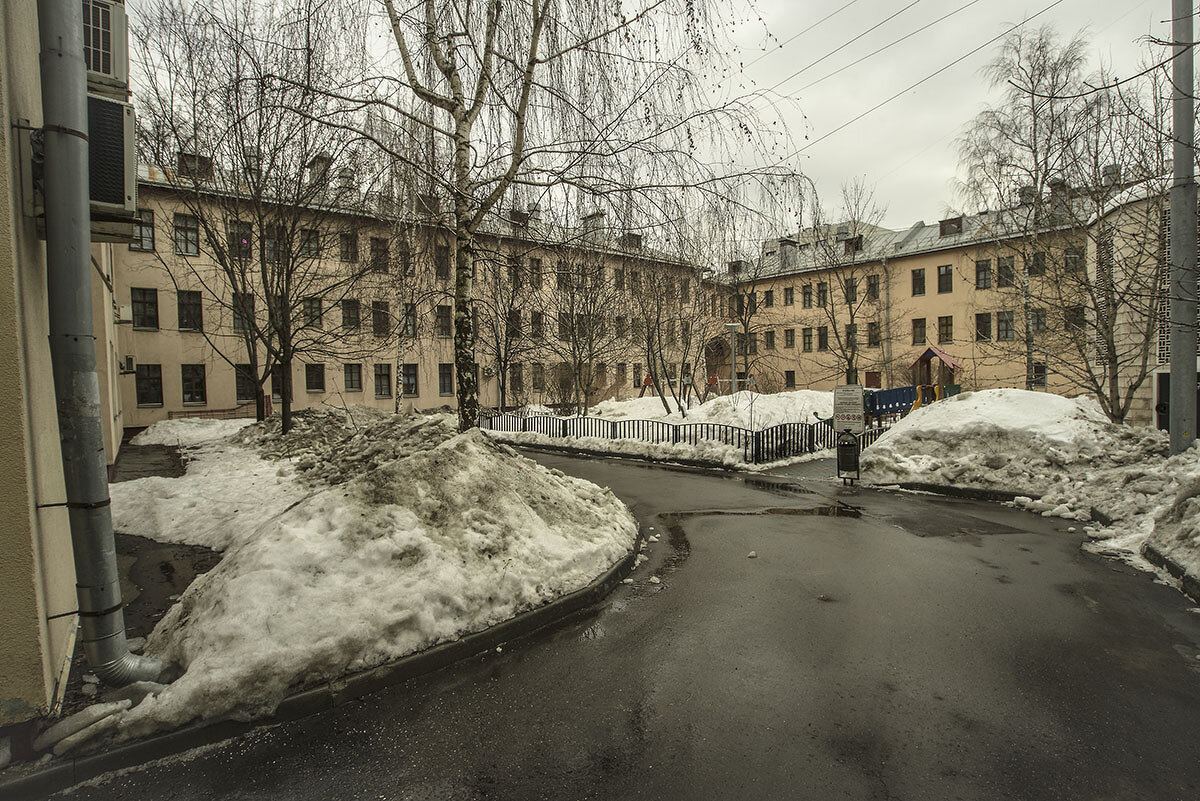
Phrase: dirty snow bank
(368, 561)
(1063, 457)
(744, 409)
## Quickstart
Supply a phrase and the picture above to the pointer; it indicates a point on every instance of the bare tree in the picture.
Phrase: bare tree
(265, 228)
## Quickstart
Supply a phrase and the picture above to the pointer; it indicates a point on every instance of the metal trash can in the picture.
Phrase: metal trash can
(847, 457)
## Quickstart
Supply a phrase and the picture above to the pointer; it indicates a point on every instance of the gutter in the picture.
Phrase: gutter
(73, 346)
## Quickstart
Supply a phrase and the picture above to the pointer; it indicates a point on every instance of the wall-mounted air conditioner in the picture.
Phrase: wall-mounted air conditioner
(112, 159)
(129, 365)
(106, 43)
(125, 315)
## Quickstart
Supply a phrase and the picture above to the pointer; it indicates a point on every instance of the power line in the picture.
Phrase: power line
(793, 38)
(844, 45)
(887, 46)
(928, 77)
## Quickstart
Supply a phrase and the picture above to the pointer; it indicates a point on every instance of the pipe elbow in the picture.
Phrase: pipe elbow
(129, 668)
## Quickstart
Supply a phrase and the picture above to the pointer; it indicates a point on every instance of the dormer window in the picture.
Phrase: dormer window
(954, 225)
(854, 244)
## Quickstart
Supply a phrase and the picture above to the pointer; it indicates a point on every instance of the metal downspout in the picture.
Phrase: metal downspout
(73, 348)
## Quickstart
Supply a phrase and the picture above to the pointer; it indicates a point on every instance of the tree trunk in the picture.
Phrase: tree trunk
(464, 328)
(285, 391)
(260, 404)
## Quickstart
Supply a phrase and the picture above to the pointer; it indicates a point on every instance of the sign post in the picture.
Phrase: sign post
(848, 420)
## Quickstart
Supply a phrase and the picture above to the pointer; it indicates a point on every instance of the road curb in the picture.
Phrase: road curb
(573, 450)
(958, 492)
(69, 771)
(1190, 584)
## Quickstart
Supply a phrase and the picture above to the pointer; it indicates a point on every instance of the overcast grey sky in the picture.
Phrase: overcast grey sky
(906, 149)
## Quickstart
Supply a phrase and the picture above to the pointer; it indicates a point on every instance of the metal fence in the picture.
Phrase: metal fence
(758, 447)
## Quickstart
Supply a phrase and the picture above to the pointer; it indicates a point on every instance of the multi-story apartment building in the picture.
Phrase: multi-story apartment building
(562, 314)
(974, 300)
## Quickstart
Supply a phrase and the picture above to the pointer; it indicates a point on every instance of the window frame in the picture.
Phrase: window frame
(190, 238)
(314, 377)
(144, 225)
(352, 369)
(154, 377)
(918, 282)
(199, 374)
(148, 306)
(382, 371)
(194, 306)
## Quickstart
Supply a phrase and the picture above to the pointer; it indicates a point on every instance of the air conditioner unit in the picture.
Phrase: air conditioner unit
(112, 159)
(130, 365)
(106, 43)
(125, 315)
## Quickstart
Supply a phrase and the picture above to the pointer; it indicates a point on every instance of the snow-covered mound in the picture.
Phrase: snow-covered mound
(189, 431)
(1004, 439)
(744, 409)
(358, 565)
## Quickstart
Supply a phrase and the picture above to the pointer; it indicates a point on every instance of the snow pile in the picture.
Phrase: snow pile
(1063, 458)
(189, 431)
(363, 564)
(744, 409)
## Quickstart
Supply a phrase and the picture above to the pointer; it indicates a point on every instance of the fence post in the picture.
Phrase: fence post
(612, 429)
(674, 434)
(564, 428)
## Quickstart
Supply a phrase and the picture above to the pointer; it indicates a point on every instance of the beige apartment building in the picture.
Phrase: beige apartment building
(964, 301)
(552, 303)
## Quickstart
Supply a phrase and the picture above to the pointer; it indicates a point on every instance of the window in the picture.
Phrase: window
(149, 385)
(145, 307)
(622, 374)
(1037, 320)
(442, 323)
(351, 316)
(310, 243)
(789, 337)
(945, 279)
(563, 276)
(918, 281)
(445, 379)
(379, 254)
(983, 274)
(1038, 377)
(273, 243)
(822, 294)
(789, 379)
(954, 225)
(1004, 326)
(313, 313)
(383, 381)
(514, 271)
(851, 290)
(637, 375)
(187, 235)
(1037, 265)
(516, 381)
(535, 273)
(806, 296)
(381, 322)
(194, 390)
(191, 315)
(143, 231)
(874, 379)
(537, 325)
(851, 335)
(277, 381)
(408, 381)
(918, 331)
(1073, 259)
(685, 289)
(945, 330)
(873, 338)
(983, 327)
(408, 325)
(621, 326)
(1005, 273)
(238, 236)
(314, 377)
(1075, 318)
(512, 326)
(769, 340)
(853, 245)
(441, 261)
(806, 336)
(872, 288)
(823, 338)
(789, 296)
(246, 383)
(348, 247)
(352, 377)
(406, 259)
(243, 311)
(769, 298)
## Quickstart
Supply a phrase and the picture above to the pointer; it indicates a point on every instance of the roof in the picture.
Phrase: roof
(935, 351)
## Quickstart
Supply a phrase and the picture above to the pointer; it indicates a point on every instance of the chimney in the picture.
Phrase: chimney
(1028, 195)
(318, 169)
(194, 166)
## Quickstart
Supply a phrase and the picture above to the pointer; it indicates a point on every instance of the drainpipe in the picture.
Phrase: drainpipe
(73, 347)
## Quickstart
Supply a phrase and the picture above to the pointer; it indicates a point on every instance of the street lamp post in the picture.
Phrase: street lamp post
(732, 328)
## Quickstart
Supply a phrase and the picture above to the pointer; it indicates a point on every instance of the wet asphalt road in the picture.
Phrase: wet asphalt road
(880, 646)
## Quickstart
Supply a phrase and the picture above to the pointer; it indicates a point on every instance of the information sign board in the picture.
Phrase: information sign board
(848, 409)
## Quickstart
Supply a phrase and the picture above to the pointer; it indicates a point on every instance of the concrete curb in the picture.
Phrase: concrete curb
(69, 771)
(1190, 583)
(572, 450)
(957, 492)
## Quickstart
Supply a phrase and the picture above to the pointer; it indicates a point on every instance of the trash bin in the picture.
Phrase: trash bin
(847, 456)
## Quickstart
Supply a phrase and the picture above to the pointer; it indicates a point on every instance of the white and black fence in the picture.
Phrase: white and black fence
(758, 447)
